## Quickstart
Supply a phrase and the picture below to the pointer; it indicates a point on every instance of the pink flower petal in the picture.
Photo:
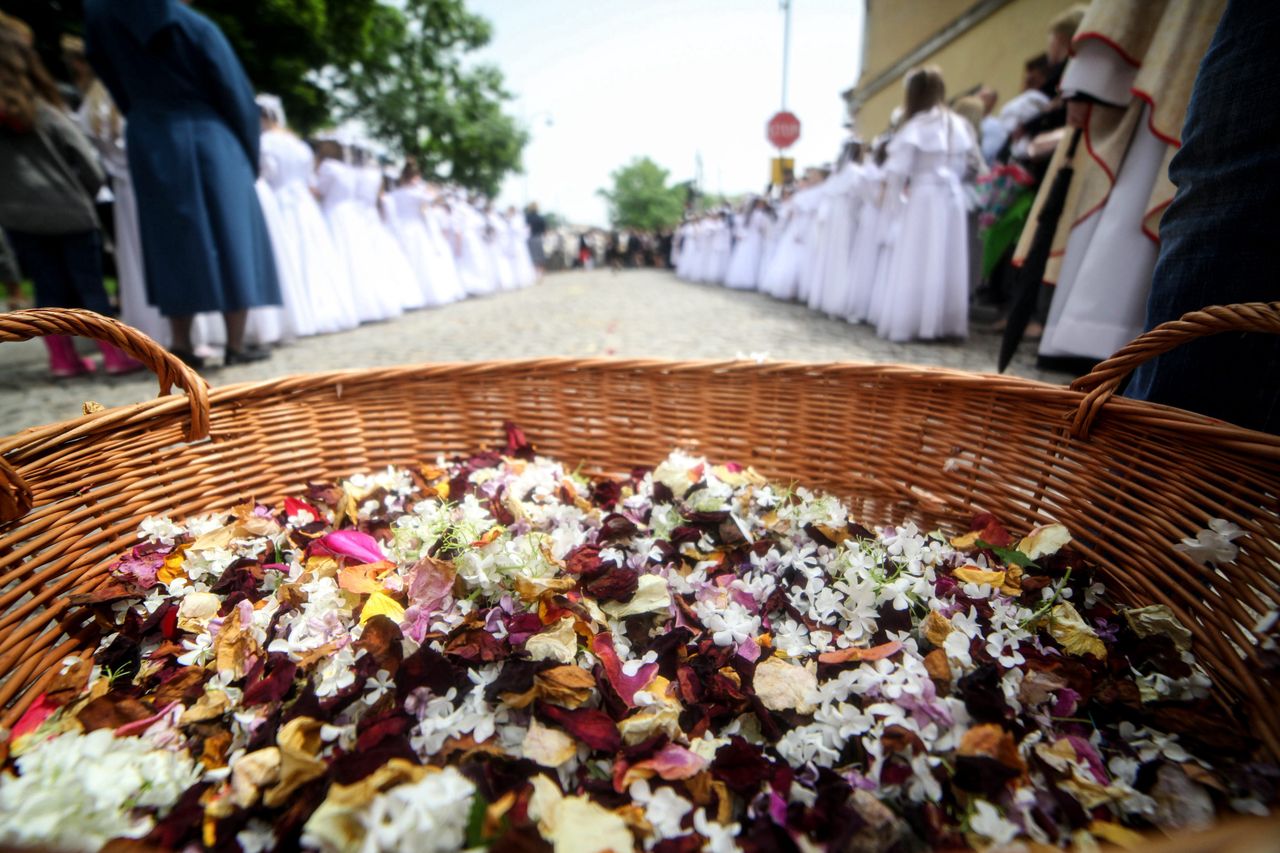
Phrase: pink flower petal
(353, 543)
(674, 762)
(625, 685)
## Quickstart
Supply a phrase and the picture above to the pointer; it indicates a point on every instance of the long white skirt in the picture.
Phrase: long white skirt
(475, 265)
(131, 275)
(926, 292)
(832, 277)
(1100, 303)
(781, 276)
(353, 244)
(415, 241)
(864, 257)
(522, 262)
(271, 324)
(744, 264)
(331, 305)
(502, 266)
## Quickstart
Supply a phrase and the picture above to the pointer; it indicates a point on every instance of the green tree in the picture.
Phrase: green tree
(398, 68)
(412, 90)
(641, 198)
(284, 44)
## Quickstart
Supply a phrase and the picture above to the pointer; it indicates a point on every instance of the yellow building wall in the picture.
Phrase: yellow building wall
(991, 53)
(896, 26)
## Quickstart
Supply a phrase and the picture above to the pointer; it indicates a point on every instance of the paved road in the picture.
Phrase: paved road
(633, 313)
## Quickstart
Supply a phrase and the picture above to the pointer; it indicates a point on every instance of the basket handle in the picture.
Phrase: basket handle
(1103, 382)
(15, 494)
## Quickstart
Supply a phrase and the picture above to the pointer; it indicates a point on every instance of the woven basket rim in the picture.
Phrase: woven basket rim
(33, 439)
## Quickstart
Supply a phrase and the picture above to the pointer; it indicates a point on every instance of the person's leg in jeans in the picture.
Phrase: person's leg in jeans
(42, 256)
(82, 260)
(1220, 238)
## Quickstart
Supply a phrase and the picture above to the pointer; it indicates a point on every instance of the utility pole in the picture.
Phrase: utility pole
(786, 47)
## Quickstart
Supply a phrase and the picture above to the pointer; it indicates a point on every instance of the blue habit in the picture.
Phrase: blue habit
(192, 137)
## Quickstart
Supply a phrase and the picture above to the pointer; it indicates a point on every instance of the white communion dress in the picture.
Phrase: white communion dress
(105, 129)
(317, 297)
(496, 236)
(407, 208)
(744, 264)
(518, 250)
(926, 288)
(721, 251)
(395, 277)
(832, 272)
(338, 185)
(475, 261)
(867, 248)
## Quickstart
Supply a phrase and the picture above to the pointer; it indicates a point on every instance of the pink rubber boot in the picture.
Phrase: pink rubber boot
(64, 361)
(116, 362)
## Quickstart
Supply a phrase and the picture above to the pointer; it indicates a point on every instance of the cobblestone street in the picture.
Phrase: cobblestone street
(632, 314)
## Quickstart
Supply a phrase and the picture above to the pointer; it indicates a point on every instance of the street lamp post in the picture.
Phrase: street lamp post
(548, 121)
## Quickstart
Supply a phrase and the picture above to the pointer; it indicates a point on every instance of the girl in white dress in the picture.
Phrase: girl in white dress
(395, 278)
(518, 248)
(442, 261)
(927, 284)
(408, 203)
(832, 275)
(475, 262)
(677, 248)
(104, 126)
(744, 265)
(497, 236)
(721, 248)
(317, 297)
(781, 278)
(868, 243)
(337, 185)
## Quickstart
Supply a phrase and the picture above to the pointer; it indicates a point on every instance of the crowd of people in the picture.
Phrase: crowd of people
(882, 240)
(932, 221)
(229, 233)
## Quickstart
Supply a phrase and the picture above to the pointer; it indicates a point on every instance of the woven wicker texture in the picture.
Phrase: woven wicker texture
(898, 442)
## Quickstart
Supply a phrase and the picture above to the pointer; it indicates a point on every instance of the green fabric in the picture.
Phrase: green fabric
(1004, 232)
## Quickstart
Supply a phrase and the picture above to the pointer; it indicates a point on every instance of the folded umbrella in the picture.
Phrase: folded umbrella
(1031, 274)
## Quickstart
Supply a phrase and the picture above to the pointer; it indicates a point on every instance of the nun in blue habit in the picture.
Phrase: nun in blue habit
(192, 138)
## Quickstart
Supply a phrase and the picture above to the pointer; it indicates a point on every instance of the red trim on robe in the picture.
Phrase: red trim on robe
(1105, 168)
(1079, 37)
(1154, 238)
(1151, 114)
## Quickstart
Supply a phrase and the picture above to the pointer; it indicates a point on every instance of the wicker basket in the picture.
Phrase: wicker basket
(1129, 479)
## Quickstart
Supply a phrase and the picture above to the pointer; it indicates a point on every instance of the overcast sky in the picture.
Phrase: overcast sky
(668, 79)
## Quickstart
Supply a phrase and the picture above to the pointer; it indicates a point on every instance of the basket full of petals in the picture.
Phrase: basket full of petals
(1178, 514)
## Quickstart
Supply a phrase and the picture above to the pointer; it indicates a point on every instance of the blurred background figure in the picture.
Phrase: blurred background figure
(192, 142)
(49, 178)
(103, 124)
(537, 229)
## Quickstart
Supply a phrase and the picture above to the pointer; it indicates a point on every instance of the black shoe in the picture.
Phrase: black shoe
(248, 355)
(188, 358)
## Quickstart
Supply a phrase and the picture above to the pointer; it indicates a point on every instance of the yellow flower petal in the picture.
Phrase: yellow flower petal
(381, 604)
(973, 574)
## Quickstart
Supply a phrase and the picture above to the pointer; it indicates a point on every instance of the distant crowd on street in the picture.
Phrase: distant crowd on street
(932, 220)
(228, 233)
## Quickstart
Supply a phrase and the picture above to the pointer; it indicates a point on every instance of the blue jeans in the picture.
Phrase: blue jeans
(1220, 238)
(65, 268)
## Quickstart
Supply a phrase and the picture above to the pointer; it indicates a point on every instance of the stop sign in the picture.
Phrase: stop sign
(783, 130)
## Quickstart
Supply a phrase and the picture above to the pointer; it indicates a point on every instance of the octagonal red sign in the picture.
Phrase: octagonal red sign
(783, 130)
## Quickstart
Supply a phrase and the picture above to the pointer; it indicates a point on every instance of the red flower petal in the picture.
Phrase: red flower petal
(625, 685)
(594, 728)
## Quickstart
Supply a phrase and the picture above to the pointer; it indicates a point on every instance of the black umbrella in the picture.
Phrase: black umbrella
(1031, 274)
